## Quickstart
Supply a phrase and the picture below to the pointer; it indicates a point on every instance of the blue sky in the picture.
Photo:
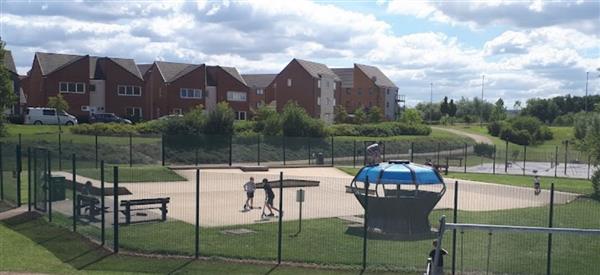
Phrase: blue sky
(525, 48)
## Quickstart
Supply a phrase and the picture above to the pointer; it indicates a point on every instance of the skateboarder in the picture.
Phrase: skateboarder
(269, 197)
(249, 187)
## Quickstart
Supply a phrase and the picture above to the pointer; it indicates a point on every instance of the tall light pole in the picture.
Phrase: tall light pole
(430, 102)
(587, 78)
(481, 105)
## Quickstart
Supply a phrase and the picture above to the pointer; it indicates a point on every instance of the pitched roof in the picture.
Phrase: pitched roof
(144, 68)
(50, 62)
(129, 65)
(346, 75)
(378, 76)
(171, 71)
(234, 72)
(316, 69)
(9, 62)
(258, 80)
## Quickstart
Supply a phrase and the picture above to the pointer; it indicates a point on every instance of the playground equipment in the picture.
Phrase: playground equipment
(403, 196)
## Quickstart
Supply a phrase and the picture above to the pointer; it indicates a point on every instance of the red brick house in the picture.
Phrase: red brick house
(366, 86)
(258, 84)
(174, 88)
(312, 85)
(88, 83)
(9, 64)
(229, 87)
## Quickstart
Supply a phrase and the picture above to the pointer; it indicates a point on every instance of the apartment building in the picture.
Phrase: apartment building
(88, 83)
(312, 85)
(9, 64)
(366, 86)
(230, 87)
(257, 93)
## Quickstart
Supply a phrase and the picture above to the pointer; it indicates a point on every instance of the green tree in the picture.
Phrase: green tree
(545, 110)
(411, 116)
(297, 123)
(360, 116)
(220, 120)
(60, 104)
(375, 114)
(499, 111)
(7, 95)
(340, 114)
(267, 120)
(445, 107)
(452, 108)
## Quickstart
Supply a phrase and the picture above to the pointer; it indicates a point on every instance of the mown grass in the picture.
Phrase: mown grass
(134, 174)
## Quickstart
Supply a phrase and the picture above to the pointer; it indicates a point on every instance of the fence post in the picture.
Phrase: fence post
(283, 148)
(438, 154)
(494, 161)
(59, 150)
(230, 150)
(454, 220)
(18, 172)
(566, 154)
(162, 149)
(1, 174)
(280, 223)
(96, 148)
(412, 151)
(49, 186)
(197, 231)
(365, 224)
(589, 166)
(258, 150)
(465, 157)
(196, 160)
(102, 226)
(332, 154)
(74, 192)
(309, 155)
(354, 155)
(524, 158)
(29, 179)
(550, 224)
(383, 150)
(130, 150)
(556, 162)
(506, 158)
(20, 143)
(116, 209)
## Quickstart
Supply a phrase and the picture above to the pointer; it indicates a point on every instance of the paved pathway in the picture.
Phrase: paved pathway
(477, 137)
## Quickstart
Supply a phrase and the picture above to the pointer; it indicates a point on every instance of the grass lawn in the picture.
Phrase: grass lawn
(134, 174)
(30, 244)
(578, 186)
(436, 134)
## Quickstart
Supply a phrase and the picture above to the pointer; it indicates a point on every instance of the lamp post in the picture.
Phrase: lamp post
(431, 103)
(481, 105)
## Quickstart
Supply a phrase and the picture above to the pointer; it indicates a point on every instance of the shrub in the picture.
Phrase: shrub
(411, 116)
(385, 129)
(484, 150)
(375, 115)
(343, 130)
(527, 123)
(340, 114)
(521, 137)
(244, 126)
(104, 129)
(543, 133)
(360, 116)
(295, 122)
(220, 120)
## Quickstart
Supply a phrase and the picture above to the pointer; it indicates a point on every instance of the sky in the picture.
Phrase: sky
(525, 49)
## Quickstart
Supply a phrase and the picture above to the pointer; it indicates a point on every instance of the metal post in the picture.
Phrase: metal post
(524, 158)
(465, 158)
(20, 143)
(116, 209)
(506, 158)
(197, 250)
(196, 160)
(354, 155)
(566, 154)
(29, 179)
(96, 148)
(383, 150)
(438, 154)
(49, 186)
(556, 162)
(74, 191)
(102, 227)
(550, 224)
(280, 223)
(130, 150)
(283, 148)
(494, 161)
(454, 220)
(365, 224)
(1, 174)
(258, 151)
(332, 154)
(162, 149)
(230, 150)
(18, 174)
(412, 151)
(309, 156)
(59, 151)
(589, 166)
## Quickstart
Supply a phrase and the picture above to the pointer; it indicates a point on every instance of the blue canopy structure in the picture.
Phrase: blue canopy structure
(400, 211)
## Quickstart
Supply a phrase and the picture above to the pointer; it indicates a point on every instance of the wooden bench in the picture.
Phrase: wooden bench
(138, 205)
(90, 204)
(448, 159)
(439, 167)
(254, 168)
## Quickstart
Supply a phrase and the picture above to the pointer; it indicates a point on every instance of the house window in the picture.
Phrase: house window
(387, 91)
(92, 88)
(387, 104)
(49, 112)
(289, 82)
(177, 111)
(188, 93)
(71, 87)
(319, 101)
(129, 90)
(319, 83)
(260, 91)
(134, 112)
(359, 91)
(236, 96)
(348, 91)
(241, 115)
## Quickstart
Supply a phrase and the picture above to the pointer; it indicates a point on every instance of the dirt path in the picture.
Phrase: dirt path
(478, 138)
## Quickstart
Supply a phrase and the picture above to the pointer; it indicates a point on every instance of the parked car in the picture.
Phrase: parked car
(107, 118)
(42, 115)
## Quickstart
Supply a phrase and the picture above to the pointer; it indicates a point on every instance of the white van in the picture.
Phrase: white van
(42, 115)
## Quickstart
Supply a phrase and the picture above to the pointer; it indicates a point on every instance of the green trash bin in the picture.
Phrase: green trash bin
(59, 186)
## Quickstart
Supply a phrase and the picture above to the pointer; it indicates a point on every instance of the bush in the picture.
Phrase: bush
(104, 129)
(295, 122)
(495, 127)
(220, 120)
(543, 133)
(484, 150)
(384, 129)
(375, 115)
(596, 183)
(521, 137)
(411, 116)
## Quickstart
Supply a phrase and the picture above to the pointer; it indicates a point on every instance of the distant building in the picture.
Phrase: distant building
(258, 84)
(231, 88)
(9, 64)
